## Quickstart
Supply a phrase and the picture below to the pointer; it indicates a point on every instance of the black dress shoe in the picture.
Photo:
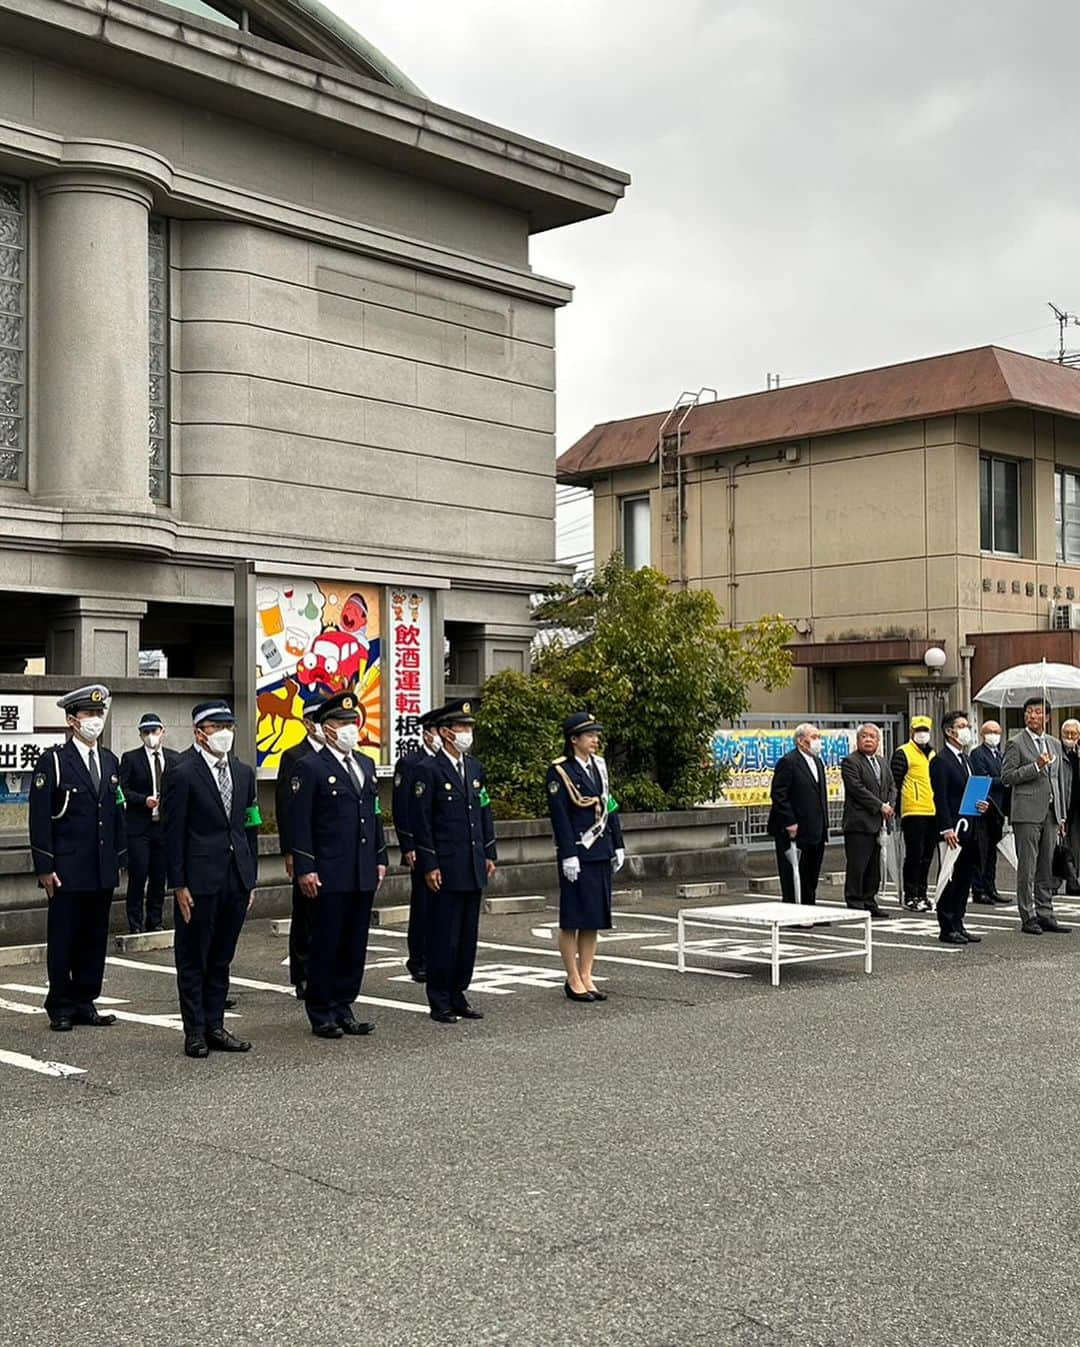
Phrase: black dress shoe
(443, 1017)
(327, 1030)
(230, 1003)
(356, 1028)
(1054, 925)
(92, 1017)
(577, 996)
(468, 1013)
(597, 996)
(195, 1046)
(63, 1024)
(1031, 928)
(152, 929)
(971, 939)
(220, 1040)
(952, 938)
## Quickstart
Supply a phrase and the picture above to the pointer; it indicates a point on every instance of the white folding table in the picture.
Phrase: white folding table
(778, 917)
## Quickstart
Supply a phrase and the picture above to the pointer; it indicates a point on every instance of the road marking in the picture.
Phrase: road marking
(255, 985)
(20, 1008)
(30, 990)
(42, 1068)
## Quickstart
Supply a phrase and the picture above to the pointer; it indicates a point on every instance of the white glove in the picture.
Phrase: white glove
(571, 868)
(620, 858)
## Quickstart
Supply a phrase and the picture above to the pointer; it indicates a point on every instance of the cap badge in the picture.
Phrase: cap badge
(348, 703)
(95, 696)
(465, 706)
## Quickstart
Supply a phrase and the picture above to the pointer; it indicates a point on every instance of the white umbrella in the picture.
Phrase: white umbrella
(948, 861)
(1012, 687)
(888, 856)
(1007, 848)
(792, 854)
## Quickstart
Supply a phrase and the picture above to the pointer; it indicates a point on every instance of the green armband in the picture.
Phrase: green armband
(378, 805)
(120, 796)
(485, 798)
(252, 816)
(612, 804)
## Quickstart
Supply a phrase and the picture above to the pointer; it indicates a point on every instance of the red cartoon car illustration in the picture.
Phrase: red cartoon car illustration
(333, 662)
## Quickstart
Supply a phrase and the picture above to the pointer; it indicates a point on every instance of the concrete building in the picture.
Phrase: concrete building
(933, 503)
(268, 327)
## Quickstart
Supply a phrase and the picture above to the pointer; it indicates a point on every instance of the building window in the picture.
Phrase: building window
(999, 505)
(12, 332)
(159, 361)
(635, 531)
(1067, 514)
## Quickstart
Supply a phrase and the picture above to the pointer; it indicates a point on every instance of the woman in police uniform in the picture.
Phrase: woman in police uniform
(589, 846)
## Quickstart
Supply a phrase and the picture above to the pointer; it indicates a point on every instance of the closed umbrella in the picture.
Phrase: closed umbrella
(888, 857)
(948, 861)
(1007, 848)
(792, 854)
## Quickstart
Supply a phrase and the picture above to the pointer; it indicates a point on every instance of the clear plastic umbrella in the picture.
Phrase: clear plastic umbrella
(948, 861)
(1007, 848)
(792, 854)
(888, 857)
(1012, 687)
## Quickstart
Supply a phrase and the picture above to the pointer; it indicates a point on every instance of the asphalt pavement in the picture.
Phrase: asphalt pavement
(702, 1159)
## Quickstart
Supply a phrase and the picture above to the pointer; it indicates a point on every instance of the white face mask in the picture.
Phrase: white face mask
(152, 740)
(815, 748)
(921, 736)
(963, 737)
(220, 742)
(91, 727)
(348, 736)
(992, 739)
(463, 741)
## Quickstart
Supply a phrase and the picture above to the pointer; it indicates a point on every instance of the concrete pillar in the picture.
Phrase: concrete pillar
(95, 639)
(92, 302)
(479, 650)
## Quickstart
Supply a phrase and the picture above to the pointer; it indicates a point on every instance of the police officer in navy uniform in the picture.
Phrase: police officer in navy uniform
(589, 845)
(142, 771)
(339, 859)
(455, 845)
(211, 812)
(416, 963)
(299, 935)
(77, 837)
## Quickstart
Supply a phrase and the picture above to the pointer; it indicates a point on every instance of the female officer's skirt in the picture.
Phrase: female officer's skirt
(585, 905)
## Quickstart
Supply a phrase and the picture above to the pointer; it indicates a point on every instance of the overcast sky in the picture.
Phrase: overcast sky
(818, 185)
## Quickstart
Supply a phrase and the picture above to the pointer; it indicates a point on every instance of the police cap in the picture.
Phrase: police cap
(459, 712)
(342, 706)
(581, 722)
(218, 710)
(94, 697)
(150, 720)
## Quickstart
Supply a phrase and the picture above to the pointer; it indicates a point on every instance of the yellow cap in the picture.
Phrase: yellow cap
(921, 723)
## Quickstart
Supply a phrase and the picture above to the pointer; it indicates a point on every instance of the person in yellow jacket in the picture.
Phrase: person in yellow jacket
(911, 771)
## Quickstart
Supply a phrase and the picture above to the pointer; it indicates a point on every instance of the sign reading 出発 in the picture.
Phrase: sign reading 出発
(751, 756)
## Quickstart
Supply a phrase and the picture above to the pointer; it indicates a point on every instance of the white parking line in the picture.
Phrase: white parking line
(42, 1068)
(255, 985)
(20, 1008)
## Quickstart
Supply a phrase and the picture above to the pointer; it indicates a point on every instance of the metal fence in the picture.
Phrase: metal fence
(748, 830)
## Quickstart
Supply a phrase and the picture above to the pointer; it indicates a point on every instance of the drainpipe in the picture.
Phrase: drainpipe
(732, 582)
(967, 654)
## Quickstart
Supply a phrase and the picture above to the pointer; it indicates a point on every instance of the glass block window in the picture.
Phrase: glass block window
(159, 361)
(12, 331)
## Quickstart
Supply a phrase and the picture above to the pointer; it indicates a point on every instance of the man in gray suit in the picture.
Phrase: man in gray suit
(1032, 768)
(869, 805)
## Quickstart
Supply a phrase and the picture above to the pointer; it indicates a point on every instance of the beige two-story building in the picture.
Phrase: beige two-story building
(934, 503)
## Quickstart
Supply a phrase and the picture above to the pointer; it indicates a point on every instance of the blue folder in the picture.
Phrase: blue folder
(976, 790)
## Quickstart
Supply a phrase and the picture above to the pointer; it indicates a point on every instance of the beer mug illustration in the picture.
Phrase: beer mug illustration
(268, 602)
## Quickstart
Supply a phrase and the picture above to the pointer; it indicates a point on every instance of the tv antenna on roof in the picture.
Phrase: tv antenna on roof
(1063, 321)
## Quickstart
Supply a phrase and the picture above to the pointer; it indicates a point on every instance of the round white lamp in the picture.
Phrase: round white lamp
(934, 659)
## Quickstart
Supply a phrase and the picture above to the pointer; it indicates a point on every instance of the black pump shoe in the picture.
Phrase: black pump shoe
(577, 996)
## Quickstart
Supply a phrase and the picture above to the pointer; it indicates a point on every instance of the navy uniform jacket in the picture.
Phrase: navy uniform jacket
(569, 821)
(200, 842)
(283, 794)
(337, 830)
(403, 780)
(949, 779)
(75, 833)
(137, 785)
(452, 822)
(986, 761)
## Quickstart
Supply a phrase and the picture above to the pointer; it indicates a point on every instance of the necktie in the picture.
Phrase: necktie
(95, 772)
(594, 777)
(354, 773)
(225, 784)
(156, 773)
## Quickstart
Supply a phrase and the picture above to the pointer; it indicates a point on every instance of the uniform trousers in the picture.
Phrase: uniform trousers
(77, 931)
(810, 858)
(952, 905)
(920, 841)
(862, 873)
(453, 926)
(418, 919)
(203, 949)
(146, 878)
(299, 936)
(339, 924)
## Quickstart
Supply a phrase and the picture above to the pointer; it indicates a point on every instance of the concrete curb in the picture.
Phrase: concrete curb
(144, 940)
(12, 956)
(508, 906)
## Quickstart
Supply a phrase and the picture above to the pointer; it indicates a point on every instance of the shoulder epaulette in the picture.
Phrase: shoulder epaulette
(557, 761)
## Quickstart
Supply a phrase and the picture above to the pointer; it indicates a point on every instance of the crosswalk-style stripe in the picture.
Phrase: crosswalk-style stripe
(28, 1063)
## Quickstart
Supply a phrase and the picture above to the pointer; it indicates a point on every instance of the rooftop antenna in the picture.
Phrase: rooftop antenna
(1063, 321)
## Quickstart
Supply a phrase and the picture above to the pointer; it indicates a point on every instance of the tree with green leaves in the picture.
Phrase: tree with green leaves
(659, 667)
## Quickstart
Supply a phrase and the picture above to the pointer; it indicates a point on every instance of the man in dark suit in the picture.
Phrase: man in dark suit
(800, 813)
(986, 761)
(869, 806)
(78, 843)
(339, 858)
(416, 963)
(142, 771)
(950, 771)
(1070, 771)
(299, 933)
(211, 813)
(455, 845)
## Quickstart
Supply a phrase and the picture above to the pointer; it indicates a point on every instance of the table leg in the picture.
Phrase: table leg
(869, 961)
(775, 955)
(681, 943)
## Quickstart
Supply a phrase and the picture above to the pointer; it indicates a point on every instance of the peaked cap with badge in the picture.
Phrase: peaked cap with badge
(93, 697)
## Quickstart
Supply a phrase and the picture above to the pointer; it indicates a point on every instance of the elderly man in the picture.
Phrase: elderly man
(986, 761)
(1032, 768)
(800, 813)
(869, 799)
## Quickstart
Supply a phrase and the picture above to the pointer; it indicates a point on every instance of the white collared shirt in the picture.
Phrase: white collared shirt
(458, 764)
(314, 744)
(1037, 739)
(212, 762)
(809, 758)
